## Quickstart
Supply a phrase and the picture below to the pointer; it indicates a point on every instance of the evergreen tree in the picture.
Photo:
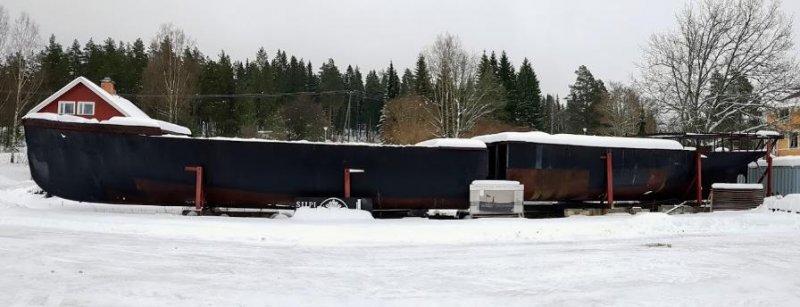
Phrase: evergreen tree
(92, 60)
(55, 64)
(487, 78)
(373, 100)
(528, 111)
(392, 83)
(585, 104)
(407, 82)
(334, 105)
(75, 60)
(312, 83)
(494, 64)
(136, 63)
(507, 77)
(422, 78)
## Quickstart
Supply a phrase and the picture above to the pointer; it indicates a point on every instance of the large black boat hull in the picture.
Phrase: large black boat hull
(552, 172)
(87, 162)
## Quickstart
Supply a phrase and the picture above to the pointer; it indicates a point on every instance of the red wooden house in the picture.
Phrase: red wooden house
(83, 98)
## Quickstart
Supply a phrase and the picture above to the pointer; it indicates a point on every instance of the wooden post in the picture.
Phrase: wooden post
(769, 168)
(698, 176)
(609, 179)
(198, 186)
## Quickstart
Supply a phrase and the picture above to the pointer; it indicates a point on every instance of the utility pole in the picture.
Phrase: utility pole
(347, 115)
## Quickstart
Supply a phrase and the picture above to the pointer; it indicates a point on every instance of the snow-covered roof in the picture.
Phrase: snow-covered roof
(117, 121)
(122, 105)
(580, 140)
(736, 186)
(787, 161)
(453, 143)
(767, 133)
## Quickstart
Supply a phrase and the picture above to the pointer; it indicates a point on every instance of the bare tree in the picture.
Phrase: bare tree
(689, 72)
(4, 30)
(23, 71)
(405, 120)
(171, 74)
(458, 100)
(627, 112)
(5, 137)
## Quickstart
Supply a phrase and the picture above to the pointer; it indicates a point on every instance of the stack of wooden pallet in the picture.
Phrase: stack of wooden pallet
(736, 196)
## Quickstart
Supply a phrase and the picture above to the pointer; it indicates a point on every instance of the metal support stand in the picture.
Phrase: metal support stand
(347, 172)
(346, 183)
(769, 168)
(609, 179)
(698, 177)
(199, 199)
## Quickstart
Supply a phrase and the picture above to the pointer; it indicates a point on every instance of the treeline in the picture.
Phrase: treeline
(448, 93)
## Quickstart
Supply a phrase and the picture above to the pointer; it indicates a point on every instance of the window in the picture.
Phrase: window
(85, 108)
(793, 140)
(783, 113)
(66, 107)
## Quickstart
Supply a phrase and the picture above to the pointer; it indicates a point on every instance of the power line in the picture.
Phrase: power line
(243, 95)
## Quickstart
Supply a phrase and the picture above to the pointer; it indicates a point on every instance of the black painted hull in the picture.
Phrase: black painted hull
(725, 167)
(578, 173)
(86, 162)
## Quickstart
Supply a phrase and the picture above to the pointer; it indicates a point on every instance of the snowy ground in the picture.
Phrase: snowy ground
(57, 252)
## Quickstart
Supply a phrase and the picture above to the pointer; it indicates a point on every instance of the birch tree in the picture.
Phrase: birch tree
(458, 99)
(170, 78)
(724, 41)
(22, 71)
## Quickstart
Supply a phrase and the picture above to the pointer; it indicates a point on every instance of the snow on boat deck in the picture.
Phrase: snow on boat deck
(581, 140)
(77, 254)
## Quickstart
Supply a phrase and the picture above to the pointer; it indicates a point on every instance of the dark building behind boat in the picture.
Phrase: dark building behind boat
(115, 164)
(553, 172)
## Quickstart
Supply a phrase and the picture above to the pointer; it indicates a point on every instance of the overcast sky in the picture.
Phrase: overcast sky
(557, 36)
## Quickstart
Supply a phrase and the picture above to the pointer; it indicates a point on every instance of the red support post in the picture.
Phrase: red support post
(769, 168)
(346, 183)
(609, 179)
(698, 177)
(198, 186)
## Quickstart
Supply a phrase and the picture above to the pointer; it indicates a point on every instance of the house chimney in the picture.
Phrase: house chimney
(108, 85)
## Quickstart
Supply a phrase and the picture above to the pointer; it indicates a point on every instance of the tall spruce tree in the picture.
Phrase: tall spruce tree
(508, 78)
(55, 65)
(392, 83)
(75, 59)
(373, 100)
(487, 78)
(585, 103)
(422, 78)
(528, 110)
(407, 82)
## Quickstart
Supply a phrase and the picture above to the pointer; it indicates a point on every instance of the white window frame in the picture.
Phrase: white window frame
(79, 110)
(61, 105)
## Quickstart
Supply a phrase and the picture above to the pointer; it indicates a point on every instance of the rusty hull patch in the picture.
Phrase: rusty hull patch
(575, 184)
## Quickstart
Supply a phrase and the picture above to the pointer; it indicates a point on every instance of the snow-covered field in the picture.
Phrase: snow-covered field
(61, 253)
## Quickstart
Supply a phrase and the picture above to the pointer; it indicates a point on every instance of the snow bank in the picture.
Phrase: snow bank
(736, 186)
(330, 214)
(581, 140)
(789, 203)
(454, 143)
